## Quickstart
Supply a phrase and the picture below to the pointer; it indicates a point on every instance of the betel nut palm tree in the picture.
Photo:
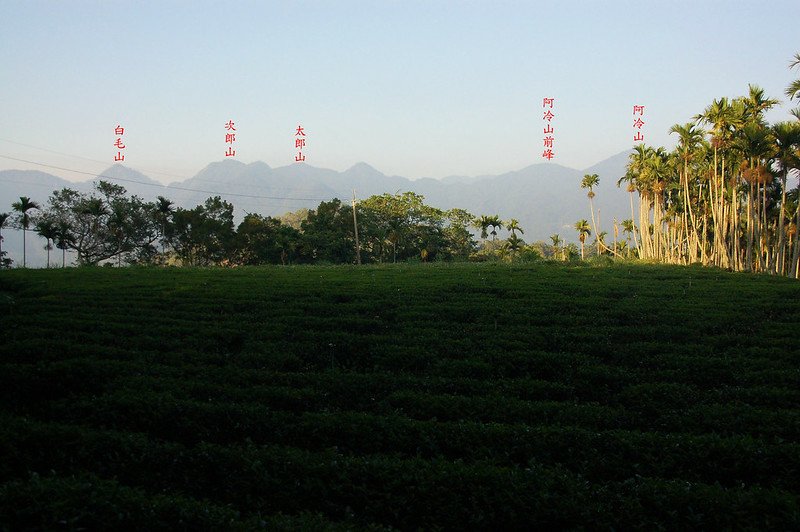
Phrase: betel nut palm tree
(584, 230)
(483, 224)
(495, 223)
(690, 138)
(786, 137)
(556, 240)
(514, 243)
(22, 207)
(64, 239)
(49, 231)
(590, 181)
(165, 209)
(513, 226)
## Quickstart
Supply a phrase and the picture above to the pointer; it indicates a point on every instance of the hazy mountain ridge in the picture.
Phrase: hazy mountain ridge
(546, 198)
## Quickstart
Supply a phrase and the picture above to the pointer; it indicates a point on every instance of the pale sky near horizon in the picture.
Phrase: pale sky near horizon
(413, 88)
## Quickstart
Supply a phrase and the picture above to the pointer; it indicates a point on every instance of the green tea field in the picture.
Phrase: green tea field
(436, 397)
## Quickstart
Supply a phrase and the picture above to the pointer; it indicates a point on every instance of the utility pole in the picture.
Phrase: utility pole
(355, 230)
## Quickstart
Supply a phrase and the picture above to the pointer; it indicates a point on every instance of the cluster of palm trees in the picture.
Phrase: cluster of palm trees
(513, 243)
(485, 222)
(722, 196)
(584, 229)
(22, 218)
(582, 226)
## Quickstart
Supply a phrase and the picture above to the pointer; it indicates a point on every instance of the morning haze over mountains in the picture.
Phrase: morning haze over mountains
(545, 198)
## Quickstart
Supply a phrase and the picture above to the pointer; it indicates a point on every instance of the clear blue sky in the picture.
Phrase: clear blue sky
(414, 88)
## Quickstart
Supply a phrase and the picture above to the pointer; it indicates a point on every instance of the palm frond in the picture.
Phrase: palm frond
(793, 90)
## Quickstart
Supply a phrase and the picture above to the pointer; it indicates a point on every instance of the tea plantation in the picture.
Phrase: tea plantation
(438, 397)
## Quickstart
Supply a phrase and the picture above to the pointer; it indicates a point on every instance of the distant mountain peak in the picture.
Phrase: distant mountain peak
(614, 161)
(362, 170)
(360, 166)
(115, 168)
(259, 165)
(231, 163)
(119, 171)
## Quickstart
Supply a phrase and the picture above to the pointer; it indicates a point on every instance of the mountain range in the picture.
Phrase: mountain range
(546, 198)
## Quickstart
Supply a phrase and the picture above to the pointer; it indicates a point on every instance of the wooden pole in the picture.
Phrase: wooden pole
(355, 230)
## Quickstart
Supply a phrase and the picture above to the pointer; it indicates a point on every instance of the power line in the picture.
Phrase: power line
(3, 180)
(163, 186)
(105, 163)
(79, 157)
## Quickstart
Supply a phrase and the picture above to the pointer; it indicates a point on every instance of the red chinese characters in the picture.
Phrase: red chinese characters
(638, 123)
(547, 130)
(230, 138)
(300, 144)
(119, 131)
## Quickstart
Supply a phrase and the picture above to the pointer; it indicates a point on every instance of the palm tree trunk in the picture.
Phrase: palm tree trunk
(600, 245)
(633, 217)
(759, 234)
(793, 265)
(701, 236)
(685, 229)
(644, 224)
(781, 225)
(24, 250)
(764, 231)
(694, 228)
(594, 224)
(656, 240)
(737, 216)
(712, 190)
(725, 209)
(750, 231)
(685, 235)
(704, 249)
(712, 204)
(692, 239)
(724, 214)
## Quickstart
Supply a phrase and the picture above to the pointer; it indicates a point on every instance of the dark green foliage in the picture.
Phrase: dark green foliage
(86, 502)
(329, 233)
(204, 235)
(265, 240)
(107, 227)
(433, 396)
(102, 225)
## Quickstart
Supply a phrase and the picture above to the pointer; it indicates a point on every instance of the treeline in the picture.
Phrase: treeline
(108, 226)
